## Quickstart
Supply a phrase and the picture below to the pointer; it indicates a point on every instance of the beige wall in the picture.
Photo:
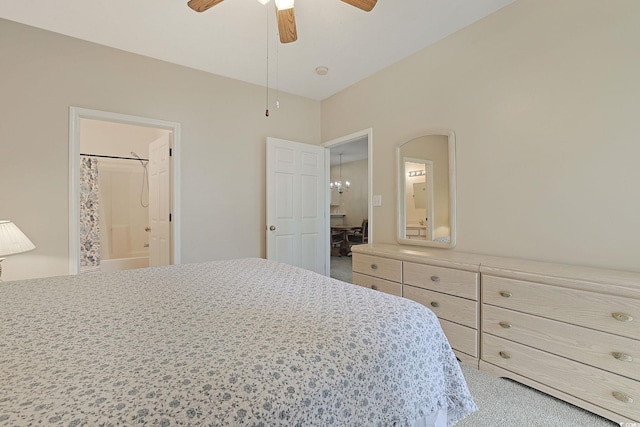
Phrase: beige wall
(542, 95)
(223, 124)
(116, 139)
(544, 99)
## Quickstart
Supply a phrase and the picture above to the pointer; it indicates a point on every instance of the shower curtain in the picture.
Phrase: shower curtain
(89, 214)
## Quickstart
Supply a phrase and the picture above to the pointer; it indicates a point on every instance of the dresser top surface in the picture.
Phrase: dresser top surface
(615, 281)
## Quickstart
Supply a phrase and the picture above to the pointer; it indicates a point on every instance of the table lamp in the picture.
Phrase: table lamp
(12, 241)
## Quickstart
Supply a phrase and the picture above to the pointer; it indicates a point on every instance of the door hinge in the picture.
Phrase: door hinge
(170, 152)
(169, 217)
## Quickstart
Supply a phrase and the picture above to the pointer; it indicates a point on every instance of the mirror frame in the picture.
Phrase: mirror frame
(401, 179)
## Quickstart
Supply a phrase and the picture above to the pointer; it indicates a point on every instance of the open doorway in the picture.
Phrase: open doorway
(349, 198)
(123, 192)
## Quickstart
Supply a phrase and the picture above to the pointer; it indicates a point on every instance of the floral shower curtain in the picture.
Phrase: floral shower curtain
(89, 213)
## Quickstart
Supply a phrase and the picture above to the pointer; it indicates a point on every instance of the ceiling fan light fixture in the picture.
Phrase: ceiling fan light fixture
(284, 4)
(284, 14)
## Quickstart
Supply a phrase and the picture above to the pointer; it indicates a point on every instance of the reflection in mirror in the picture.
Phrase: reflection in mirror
(418, 198)
(420, 195)
(426, 190)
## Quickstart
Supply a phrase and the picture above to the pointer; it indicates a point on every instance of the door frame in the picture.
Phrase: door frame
(75, 115)
(333, 144)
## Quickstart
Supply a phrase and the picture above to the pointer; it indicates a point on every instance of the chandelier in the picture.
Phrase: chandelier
(338, 185)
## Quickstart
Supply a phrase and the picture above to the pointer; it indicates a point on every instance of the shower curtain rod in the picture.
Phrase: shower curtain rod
(113, 157)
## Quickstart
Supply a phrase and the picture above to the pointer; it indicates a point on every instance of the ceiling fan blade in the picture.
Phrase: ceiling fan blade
(202, 5)
(287, 25)
(365, 5)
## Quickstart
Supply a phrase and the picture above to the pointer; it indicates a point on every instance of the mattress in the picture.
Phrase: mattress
(245, 342)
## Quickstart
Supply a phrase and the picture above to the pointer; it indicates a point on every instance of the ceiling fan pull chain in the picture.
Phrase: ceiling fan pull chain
(266, 112)
(277, 75)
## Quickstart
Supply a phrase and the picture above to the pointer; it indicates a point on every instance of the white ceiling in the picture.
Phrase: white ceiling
(230, 38)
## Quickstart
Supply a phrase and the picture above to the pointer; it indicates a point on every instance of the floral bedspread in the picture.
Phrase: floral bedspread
(244, 342)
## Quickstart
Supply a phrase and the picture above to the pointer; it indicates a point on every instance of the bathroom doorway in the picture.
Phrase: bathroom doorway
(122, 209)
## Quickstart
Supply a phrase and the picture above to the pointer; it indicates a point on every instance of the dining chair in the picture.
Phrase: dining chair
(359, 235)
(337, 241)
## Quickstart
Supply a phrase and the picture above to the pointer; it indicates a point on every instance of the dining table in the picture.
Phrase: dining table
(345, 229)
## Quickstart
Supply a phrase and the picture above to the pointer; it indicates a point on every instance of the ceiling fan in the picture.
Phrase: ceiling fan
(284, 12)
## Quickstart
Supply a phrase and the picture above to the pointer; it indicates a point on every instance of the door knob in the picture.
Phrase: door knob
(147, 229)
(272, 228)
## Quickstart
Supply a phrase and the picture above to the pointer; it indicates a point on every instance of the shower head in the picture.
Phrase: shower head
(142, 162)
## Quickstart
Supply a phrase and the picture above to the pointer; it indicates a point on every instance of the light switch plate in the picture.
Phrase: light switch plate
(377, 200)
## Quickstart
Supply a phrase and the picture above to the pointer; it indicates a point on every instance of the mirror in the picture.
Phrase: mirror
(427, 190)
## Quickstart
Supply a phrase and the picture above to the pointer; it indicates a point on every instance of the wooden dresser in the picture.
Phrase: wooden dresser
(378, 273)
(446, 282)
(572, 332)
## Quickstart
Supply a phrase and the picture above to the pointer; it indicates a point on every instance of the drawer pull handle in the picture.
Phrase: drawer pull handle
(505, 294)
(435, 304)
(505, 355)
(623, 317)
(435, 279)
(374, 267)
(622, 397)
(374, 287)
(505, 325)
(623, 357)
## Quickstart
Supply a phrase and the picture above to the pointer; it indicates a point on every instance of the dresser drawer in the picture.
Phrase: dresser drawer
(455, 309)
(460, 337)
(607, 313)
(384, 268)
(455, 282)
(377, 284)
(606, 351)
(585, 382)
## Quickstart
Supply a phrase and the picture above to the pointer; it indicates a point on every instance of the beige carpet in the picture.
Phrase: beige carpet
(341, 268)
(503, 402)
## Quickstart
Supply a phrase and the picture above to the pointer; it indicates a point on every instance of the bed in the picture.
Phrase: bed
(245, 342)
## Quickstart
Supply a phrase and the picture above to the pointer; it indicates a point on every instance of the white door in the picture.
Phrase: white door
(296, 191)
(159, 197)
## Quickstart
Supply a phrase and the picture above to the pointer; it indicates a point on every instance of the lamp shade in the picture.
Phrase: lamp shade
(284, 4)
(12, 240)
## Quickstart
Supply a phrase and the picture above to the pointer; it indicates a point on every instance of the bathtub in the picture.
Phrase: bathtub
(124, 263)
